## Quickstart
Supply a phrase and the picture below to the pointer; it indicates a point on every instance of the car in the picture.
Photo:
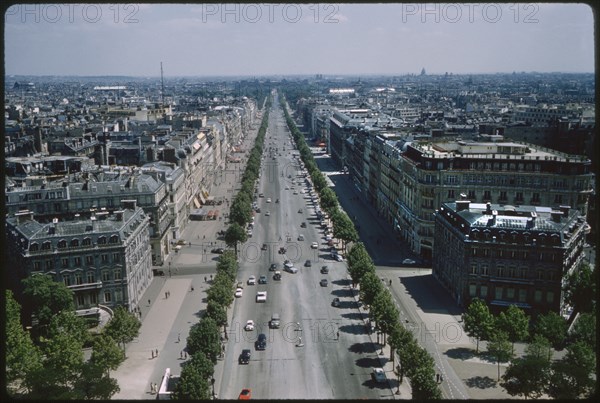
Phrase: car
(258, 209)
(239, 292)
(252, 280)
(267, 213)
(314, 245)
(378, 375)
(335, 303)
(245, 356)
(249, 233)
(408, 261)
(328, 237)
(262, 280)
(261, 195)
(273, 267)
(291, 269)
(261, 342)
(295, 192)
(287, 188)
(245, 394)
(282, 250)
(301, 237)
(275, 322)
(249, 325)
(268, 200)
(264, 246)
(337, 257)
(277, 276)
(300, 211)
(261, 296)
(218, 251)
(324, 269)
(324, 282)
(303, 224)
(330, 242)
(308, 263)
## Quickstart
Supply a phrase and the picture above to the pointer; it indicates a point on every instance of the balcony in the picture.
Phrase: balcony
(86, 286)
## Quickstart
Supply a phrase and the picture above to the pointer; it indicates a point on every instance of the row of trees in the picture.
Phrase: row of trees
(415, 362)
(240, 212)
(204, 343)
(46, 360)
(535, 373)
(343, 227)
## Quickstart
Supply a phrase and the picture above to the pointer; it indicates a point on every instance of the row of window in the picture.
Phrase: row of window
(510, 294)
(74, 243)
(514, 254)
(90, 277)
(84, 300)
(512, 272)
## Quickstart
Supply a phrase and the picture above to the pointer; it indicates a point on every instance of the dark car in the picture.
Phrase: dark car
(324, 282)
(245, 356)
(218, 251)
(303, 225)
(308, 263)
(335, 303)
(273, 267)
(324, 270)
(261, 342)
(262, 280)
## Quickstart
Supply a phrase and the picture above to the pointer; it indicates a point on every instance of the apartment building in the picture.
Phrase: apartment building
(508, 255)
(105, 258)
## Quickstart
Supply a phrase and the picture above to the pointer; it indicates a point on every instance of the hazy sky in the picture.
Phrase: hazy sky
(266, 39)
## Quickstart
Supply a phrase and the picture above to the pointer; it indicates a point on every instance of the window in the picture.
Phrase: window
(105, 275)
(67, 279)
(107, 296)
(503, 195)
(93, 299)
(536, 198)
(471, 195)
(483, 290)
(118, 295)
(451, 194)
(558, 199)
(47, 245)
(537, 296)
(114, 239)
(89, 260)
(78, 278)
(519, 196)
(91, 277)
(117, 274)
(500, 271)
(487, 195)
(498, 292)
(86, 242)
(36, 266)
(522, 295)
(77, 261)
(116, 257)
(75, 243)
(510, 293)
(484, 270)
(102, 240)
(34, 247)
(104, 258)
(49, 265)
(64, 262)
(472, 290)
(549, 297)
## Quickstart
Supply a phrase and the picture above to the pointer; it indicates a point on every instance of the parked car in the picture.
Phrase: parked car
(264, 246)
(218, 251)
(245, 356)
(314, 245)
(324, 282)
(268, 200)
(303, 225)
(239, 292)
(378, 375)
(300, 211)
(301, 237)
(335, 303)
(408, 261)
(245, 394)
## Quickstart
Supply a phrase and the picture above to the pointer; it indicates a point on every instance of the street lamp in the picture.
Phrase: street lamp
(398, 374)
(212, 382)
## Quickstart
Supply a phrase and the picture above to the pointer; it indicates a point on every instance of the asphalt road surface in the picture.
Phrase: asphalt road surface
(304, 358)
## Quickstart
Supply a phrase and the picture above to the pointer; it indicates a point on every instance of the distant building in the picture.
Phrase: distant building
(507, 255)
(105, 259)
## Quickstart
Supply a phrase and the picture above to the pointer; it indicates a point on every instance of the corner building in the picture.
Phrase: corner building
(507, 255)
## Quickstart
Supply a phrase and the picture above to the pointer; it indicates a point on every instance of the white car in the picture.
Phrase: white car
(261, 296)
(239, 292)
(408, 261)
(328, 237)
(252, 280)
(249, 325)
(301, 237)
(314, 245)
(267, 213)
(291, 269)
(378, 375)
(269, 200)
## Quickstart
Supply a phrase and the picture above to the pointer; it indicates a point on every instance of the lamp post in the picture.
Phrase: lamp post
(212, 382)
(398, 375)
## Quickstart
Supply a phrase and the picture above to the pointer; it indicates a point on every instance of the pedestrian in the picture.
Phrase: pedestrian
(166, 295)
(338, 335)
(181, 355)
(211, 277)
(148, 302)
(203, 236)
(390, 282)
(437, 378)
(178, 337)
(441, 378)
(205, 279)
(151, 388)
(156, 352)
(152, 351)
(186, 355)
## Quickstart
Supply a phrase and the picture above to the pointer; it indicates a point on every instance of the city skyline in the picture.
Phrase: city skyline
(270, 39)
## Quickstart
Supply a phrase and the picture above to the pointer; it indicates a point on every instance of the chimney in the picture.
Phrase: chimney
(24, 216)
(462, 205)
(488, 208)
(119, 215)
(565, 210)
(494, 215)
(556, 215)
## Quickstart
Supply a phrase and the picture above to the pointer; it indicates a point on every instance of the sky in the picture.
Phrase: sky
(258, 39)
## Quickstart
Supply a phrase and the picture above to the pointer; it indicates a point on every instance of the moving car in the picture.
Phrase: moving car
(245, 356)
(249, 325)
(303, 224)
(324, 270)
(268, 200)
(300, 211)
(261, 342)
(245, 394)
(301, 237)
(261, 296)
(262, 280)
(217, 250)
(239, 292)
(335, 303)
(277, 276)
(314, 245)
(324, 282)
(274, 323)
(251, 280)
(408, 261)
(264, 246)
(267, 213)
(291, 269)
(273, 267)
(308, 263)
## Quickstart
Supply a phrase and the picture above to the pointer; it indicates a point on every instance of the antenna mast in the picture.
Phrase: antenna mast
(162, 94)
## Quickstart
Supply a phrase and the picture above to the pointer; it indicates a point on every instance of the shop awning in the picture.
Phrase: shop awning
(196, 202)
(202, 198)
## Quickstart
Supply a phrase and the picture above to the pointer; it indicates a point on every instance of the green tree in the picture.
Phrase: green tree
(515, 323)
(416, 357)
(528, 376)
(23, 358)
(203, 365)
(221, 291)
(343, 228)
(204, 339)
(370, 286)
(329, 200)
(500, 348)
(241, 210)
(399, 338)
(95, 383)
(359, 263)
(106, 354)
(553, 327)
(573, 377)
(384, 311)
(423, 384)
(47, 298)
(478, 321)
(580, 289)
(235, 234)
(228, 265)
(123, 327)
(217, 312)
(584, 329)
(192, 385)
